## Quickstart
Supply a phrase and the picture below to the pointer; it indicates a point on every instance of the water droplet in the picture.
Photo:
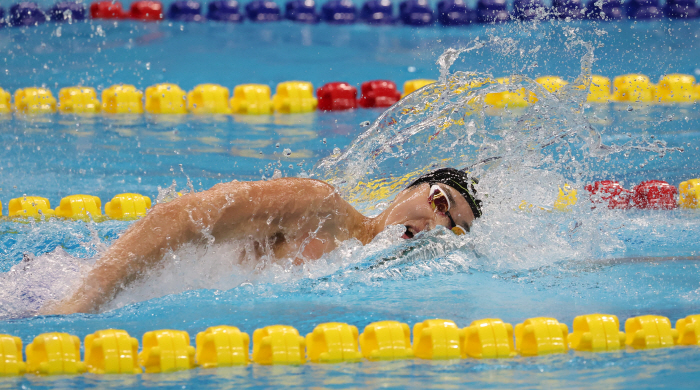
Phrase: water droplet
(287, 152)
(629, 108)
(364, 124)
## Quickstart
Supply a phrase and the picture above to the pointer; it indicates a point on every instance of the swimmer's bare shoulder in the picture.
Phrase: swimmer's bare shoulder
(231, 209)
(262, 205)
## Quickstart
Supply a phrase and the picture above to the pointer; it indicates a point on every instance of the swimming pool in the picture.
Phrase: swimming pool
(515, 265)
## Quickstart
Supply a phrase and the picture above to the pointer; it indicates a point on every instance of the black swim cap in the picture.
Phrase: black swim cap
(459, 180)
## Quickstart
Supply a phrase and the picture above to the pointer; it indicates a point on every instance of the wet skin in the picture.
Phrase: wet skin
(293, 218)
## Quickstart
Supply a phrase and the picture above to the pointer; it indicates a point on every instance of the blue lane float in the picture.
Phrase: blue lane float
(224, 11)
(263, 11)
(67, 11)
(454, 13)
(26, 14)
(643, 9)
(492, 11)
(605, 10)
(567, 9)
(377, 12)
(416, 13)
(681, 9)
(185, 11)
(302, 11)
(529, 9)
(339, 12)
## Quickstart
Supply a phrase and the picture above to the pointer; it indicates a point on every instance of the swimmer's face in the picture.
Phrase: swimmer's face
(412, 209)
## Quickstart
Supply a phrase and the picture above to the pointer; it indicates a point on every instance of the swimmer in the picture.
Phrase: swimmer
(292, 218)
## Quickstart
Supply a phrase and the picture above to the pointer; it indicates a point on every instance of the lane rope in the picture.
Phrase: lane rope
(293, 97)
(114, 351)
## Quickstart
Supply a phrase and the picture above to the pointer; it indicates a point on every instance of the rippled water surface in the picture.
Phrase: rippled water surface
(513, 265)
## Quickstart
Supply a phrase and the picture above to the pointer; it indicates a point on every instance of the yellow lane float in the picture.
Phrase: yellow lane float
(79, 207)
(517, 98)
(54, 354)
(122, 99)
(599, 91)
(166, 351)
(222, 346)
(689, 194)
(633, 88)
(688, 329)
(437, 339)
(489, 338)
(596, 333)
(386, 340)
(568, 196)
(541, 336)
(165, 98)
(78, 100)
(645, 332)
(29, 206)
(551, 83)
(207, 99)
(677, 88)
(5, 102)
(413, 85)
(31, 101)
(294, 97)
(278, 344)
(333, 342)
(11, 363)
(128, 206)
(251, 99)
(111, 351)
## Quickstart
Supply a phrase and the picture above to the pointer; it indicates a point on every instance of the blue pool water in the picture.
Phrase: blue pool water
(514, 265)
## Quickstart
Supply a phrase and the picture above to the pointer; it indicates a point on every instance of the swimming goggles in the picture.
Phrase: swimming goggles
(441, 204)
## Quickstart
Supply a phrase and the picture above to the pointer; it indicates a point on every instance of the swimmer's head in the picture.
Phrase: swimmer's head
(444, 197)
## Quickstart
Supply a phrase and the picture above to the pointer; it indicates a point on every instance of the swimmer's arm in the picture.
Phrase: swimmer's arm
(143, 244)
(227, 209)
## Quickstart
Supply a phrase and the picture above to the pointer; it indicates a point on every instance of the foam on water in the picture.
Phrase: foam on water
(71, 251)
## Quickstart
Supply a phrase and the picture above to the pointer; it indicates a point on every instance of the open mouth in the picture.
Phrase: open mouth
(408, 233)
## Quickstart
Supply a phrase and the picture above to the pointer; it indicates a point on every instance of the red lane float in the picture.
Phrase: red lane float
(647, 195)
(107, 10)
(655, 195)
(337, 96)
(379, 93)
(148, 11)
(610, 193)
